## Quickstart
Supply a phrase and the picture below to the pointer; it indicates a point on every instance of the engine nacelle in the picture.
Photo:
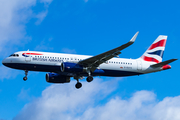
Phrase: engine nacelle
(72, 67)
(56, 78)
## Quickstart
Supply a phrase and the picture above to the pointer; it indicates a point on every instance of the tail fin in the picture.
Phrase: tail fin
(155, 52)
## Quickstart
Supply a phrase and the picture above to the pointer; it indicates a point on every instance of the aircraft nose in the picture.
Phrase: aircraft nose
(4, 62)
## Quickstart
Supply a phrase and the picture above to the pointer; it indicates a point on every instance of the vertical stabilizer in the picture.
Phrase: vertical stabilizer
(155, 52)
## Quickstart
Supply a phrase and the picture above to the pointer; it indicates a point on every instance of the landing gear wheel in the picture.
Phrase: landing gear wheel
(24, 78)
(26, 73)
(78, 85)
(89, 78)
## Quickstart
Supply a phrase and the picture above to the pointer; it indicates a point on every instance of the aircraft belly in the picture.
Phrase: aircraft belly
(119, 73)
(34, 67)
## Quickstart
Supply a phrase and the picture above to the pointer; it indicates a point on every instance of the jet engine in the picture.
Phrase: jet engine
(57, 78)
(72, 67)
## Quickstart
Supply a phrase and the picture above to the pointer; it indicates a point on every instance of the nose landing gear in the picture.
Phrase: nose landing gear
(26, 73)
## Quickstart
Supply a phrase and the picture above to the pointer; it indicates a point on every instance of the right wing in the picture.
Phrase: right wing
(95, 61)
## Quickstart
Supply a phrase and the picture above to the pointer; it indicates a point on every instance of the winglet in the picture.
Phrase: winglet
(134, 37)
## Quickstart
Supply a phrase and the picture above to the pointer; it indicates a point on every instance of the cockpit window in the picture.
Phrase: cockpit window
(14, 55)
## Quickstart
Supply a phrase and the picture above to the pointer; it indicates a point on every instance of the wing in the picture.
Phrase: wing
(95, 61)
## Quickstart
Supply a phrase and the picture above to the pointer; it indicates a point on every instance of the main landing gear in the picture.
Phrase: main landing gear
(78, 84)
(26, 73)
(89, 79)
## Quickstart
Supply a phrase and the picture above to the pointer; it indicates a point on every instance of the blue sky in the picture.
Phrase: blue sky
(89, 27)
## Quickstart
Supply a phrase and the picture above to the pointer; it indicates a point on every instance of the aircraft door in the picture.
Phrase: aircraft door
(27, 56)
(139, 65)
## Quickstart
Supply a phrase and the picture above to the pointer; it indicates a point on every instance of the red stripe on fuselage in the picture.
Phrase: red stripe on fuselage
(32, 54)
(150, 59)
(161, 43)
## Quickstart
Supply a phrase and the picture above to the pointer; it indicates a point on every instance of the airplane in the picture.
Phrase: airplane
(62, 67)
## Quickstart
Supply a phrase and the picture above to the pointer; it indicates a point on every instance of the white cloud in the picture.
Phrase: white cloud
(14, 15)
(89, 103)
(57, 101)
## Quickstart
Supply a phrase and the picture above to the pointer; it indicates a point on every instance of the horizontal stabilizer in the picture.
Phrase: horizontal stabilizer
(163, 63)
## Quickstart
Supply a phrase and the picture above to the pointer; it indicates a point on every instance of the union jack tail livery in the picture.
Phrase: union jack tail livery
(155, 52)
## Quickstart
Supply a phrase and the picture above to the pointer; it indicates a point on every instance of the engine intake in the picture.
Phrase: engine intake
(56, 78)
(72, 67)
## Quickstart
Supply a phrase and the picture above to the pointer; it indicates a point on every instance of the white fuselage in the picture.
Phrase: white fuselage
(51, 62)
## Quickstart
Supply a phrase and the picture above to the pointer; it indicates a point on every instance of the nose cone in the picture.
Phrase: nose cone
(5, 62)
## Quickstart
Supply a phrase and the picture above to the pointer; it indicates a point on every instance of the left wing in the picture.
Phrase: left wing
(95, 61)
